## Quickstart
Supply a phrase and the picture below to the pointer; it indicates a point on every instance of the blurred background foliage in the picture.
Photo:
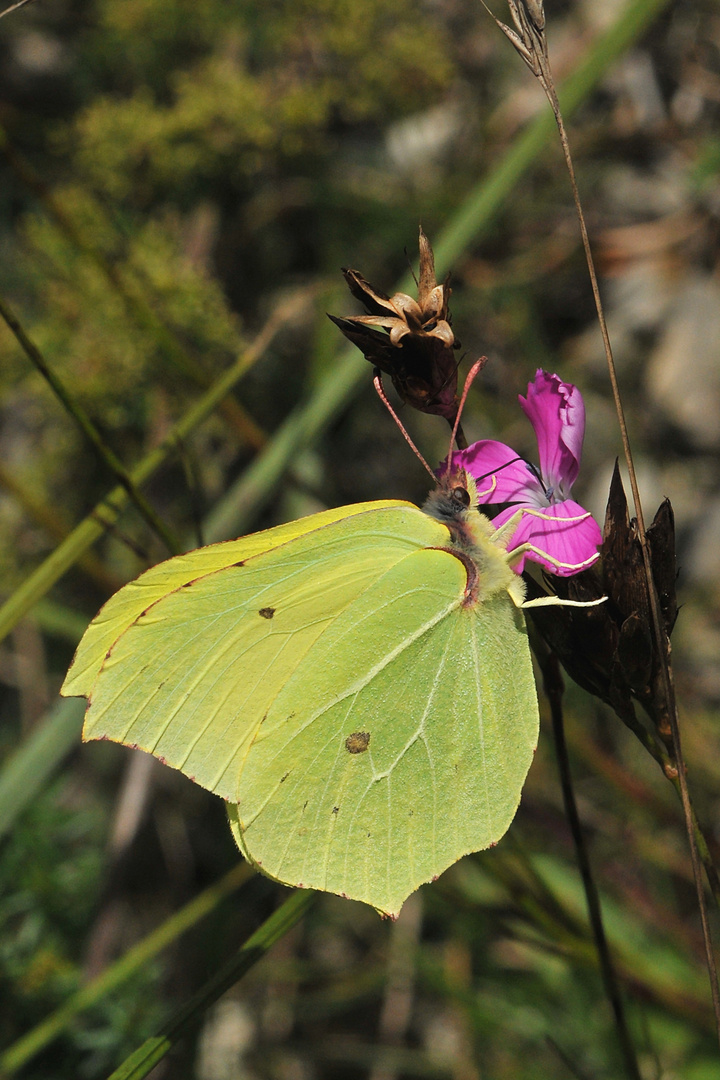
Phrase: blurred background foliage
(173, 173)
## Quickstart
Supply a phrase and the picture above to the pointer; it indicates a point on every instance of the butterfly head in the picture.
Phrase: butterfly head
(453, 498)
(454, 503)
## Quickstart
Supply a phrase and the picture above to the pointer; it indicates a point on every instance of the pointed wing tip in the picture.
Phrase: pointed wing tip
(72, 687)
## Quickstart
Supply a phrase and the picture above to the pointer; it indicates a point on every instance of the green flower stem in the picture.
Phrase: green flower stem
(88, 429)
(154, 1049)
(36, 1040)
(106, 512)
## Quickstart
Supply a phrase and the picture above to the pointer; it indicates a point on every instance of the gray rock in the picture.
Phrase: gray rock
(683, 374)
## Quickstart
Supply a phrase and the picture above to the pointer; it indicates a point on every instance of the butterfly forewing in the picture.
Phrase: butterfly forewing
(121, 611)
(193, 676)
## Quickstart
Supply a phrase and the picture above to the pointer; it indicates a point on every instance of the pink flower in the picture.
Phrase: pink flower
(565, 532)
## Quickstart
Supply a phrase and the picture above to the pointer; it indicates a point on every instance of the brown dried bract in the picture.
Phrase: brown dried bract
(528, 36)
(409, 340)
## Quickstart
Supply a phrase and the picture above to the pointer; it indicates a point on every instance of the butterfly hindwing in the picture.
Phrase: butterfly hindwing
(413, 759)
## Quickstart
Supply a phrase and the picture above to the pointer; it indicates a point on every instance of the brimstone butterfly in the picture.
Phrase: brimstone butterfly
(356, 684)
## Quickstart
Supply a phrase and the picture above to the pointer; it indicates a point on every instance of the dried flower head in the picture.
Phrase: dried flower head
(409, 340)
(528, 37)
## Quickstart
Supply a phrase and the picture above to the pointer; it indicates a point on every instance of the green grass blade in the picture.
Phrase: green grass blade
(30, 766)
(107, 511)
(154, 1049)
(36, 1040)
(91, 433)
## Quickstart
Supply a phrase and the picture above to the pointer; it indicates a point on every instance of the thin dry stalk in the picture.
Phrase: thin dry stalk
(531, 43)
(14, 7)
(397, 1005)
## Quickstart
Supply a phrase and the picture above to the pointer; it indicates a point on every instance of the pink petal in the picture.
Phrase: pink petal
(557, 412)
(501, 475)
(574, 543)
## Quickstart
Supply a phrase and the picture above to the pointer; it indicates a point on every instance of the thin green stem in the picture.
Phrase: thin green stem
(88, 429)
(155, 1048)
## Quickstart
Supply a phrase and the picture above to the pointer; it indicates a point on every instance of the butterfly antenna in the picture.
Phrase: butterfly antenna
(377, 383)
(472, 373)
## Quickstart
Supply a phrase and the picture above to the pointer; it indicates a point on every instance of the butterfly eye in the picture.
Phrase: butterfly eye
(461, 495)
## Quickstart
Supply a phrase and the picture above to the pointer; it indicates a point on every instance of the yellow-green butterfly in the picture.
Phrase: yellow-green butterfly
(357, 685)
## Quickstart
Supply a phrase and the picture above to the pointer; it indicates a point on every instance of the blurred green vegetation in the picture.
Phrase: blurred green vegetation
(178, 175)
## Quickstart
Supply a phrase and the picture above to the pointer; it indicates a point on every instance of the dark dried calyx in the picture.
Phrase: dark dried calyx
(410, 340)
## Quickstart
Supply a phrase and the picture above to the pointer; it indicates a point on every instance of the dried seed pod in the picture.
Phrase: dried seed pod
(409, 340)
(661, 536)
